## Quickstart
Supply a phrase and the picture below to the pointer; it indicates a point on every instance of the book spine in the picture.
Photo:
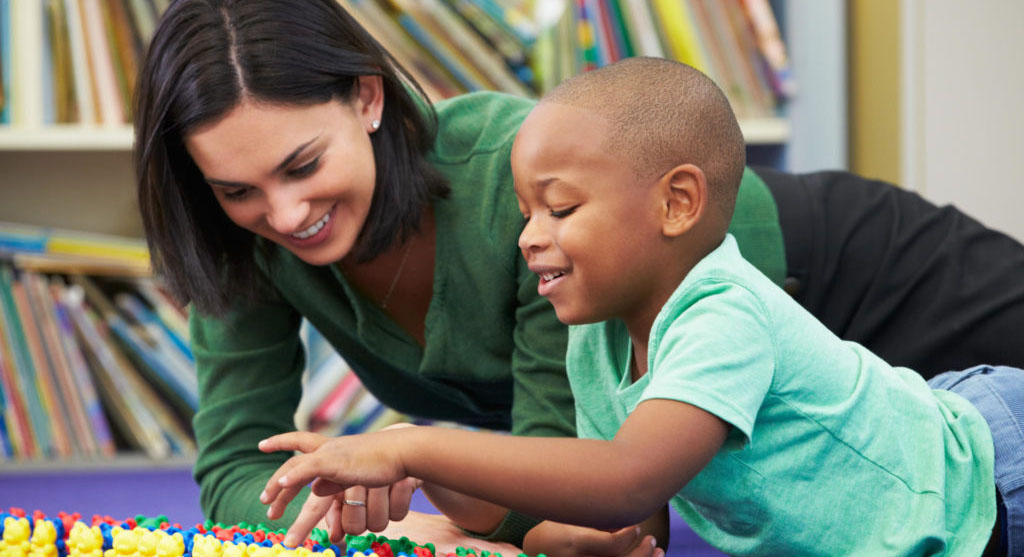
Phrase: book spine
(19, 430)
(83, 379)
(5, 62)
(28, 63)
(83, 437)
(46, 385)
(102, 63)
(83, 86)
(39, 422)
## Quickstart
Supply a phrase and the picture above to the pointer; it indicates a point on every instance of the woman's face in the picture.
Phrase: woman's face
(300, 176)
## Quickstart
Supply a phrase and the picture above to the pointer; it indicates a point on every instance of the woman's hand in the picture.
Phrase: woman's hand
(563, 540)
(344, 508)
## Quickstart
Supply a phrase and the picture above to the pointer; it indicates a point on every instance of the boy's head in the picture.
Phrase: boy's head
(627, 176)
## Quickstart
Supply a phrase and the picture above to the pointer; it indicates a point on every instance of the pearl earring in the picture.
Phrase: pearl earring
(375, 124)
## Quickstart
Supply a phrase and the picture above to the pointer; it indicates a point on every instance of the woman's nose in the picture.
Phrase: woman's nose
(286, 212)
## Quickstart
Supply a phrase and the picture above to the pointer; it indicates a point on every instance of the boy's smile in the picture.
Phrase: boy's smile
(576, 197)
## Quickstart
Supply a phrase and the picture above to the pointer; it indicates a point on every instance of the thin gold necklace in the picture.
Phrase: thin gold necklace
(398, 273)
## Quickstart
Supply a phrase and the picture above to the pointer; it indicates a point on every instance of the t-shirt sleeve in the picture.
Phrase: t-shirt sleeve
(249, 366)
(720, 358)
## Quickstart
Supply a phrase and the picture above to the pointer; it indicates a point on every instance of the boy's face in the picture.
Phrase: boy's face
(593, 228)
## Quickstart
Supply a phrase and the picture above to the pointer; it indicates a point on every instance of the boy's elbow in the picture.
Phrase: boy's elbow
(633, 499)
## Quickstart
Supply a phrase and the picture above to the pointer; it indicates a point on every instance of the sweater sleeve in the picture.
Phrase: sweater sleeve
(542, 403)
(249, 365)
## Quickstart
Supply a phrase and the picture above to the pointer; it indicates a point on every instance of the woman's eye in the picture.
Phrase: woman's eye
(235, 195)
(564, 212)
(306, 169)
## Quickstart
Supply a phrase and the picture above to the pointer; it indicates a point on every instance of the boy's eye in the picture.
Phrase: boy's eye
(305, 170)
(564, 212)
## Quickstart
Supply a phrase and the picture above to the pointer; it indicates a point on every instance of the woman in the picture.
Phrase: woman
(288, 168)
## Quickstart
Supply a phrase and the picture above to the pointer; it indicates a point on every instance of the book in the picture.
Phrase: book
(57, 250)
(676, 23)
(478, 53)
(16, 418)
(101, 63)
(5, 62)
(330, 414)
(642, 28)
(321, 383)
(82, 375)
(47, 75)
(122, 51)
(424, 28)
(773, 50)
(38, 440)
(750, 62)
(146, 342)
(82, 436)
(27, 28)
(51, 405)
(720, 68)
(117, 390)
(586, 35)
(84, 87)
(436, 82)
(497, 36)
(63, 77)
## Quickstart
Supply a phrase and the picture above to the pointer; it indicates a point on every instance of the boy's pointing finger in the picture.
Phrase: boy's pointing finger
(302, 441)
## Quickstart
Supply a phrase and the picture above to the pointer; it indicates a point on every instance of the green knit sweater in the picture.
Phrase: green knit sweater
(494, 353)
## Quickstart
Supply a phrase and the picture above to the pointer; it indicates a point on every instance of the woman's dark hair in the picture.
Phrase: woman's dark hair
(205, 57)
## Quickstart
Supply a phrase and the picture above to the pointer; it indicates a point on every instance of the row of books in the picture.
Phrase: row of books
(95, 361)
(526, 48)
(94, 356)
(72, 61)
(334, 401)
(735, 42)
(82, 55)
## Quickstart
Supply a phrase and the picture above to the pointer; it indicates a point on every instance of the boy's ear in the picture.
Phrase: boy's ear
(685, 197)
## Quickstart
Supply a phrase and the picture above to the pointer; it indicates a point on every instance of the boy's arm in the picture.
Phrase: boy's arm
(602, 484)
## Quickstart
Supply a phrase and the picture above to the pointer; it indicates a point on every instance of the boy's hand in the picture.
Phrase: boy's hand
(563, 540)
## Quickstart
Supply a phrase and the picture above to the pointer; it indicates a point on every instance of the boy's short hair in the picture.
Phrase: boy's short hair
(662, 114)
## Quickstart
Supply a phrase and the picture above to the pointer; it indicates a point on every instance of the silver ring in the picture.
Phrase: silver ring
(355, 503)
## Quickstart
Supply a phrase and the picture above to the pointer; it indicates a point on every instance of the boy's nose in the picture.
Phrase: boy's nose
(286, 213)
(531, 238)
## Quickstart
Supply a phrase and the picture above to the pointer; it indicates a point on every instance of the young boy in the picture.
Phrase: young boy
(698, 381)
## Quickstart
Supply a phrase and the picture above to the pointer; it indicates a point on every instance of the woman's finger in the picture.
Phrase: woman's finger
(377, 512)
(334, 521)
(400, 497)
(312, 511)
(353, 510)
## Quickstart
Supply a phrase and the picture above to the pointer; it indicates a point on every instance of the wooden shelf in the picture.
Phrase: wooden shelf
(125, 461)
(765, 131)
(759, 131)
(66, 138)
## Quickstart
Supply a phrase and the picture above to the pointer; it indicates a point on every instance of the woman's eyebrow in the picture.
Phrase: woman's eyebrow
(281, 166)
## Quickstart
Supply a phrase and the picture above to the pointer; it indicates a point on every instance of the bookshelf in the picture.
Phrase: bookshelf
(80, 176)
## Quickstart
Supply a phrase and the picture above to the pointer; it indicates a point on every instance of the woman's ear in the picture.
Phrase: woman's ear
(370, 101)
(685, 191)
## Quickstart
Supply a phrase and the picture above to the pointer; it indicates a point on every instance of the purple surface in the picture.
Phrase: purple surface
(124, 493)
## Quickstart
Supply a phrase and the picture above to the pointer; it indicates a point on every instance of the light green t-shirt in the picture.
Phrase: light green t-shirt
(831, 451)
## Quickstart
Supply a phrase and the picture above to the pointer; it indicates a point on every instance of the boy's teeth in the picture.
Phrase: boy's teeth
(550, 276)
(313, 229)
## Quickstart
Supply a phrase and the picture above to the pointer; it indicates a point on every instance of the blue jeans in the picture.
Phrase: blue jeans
(998, 393)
